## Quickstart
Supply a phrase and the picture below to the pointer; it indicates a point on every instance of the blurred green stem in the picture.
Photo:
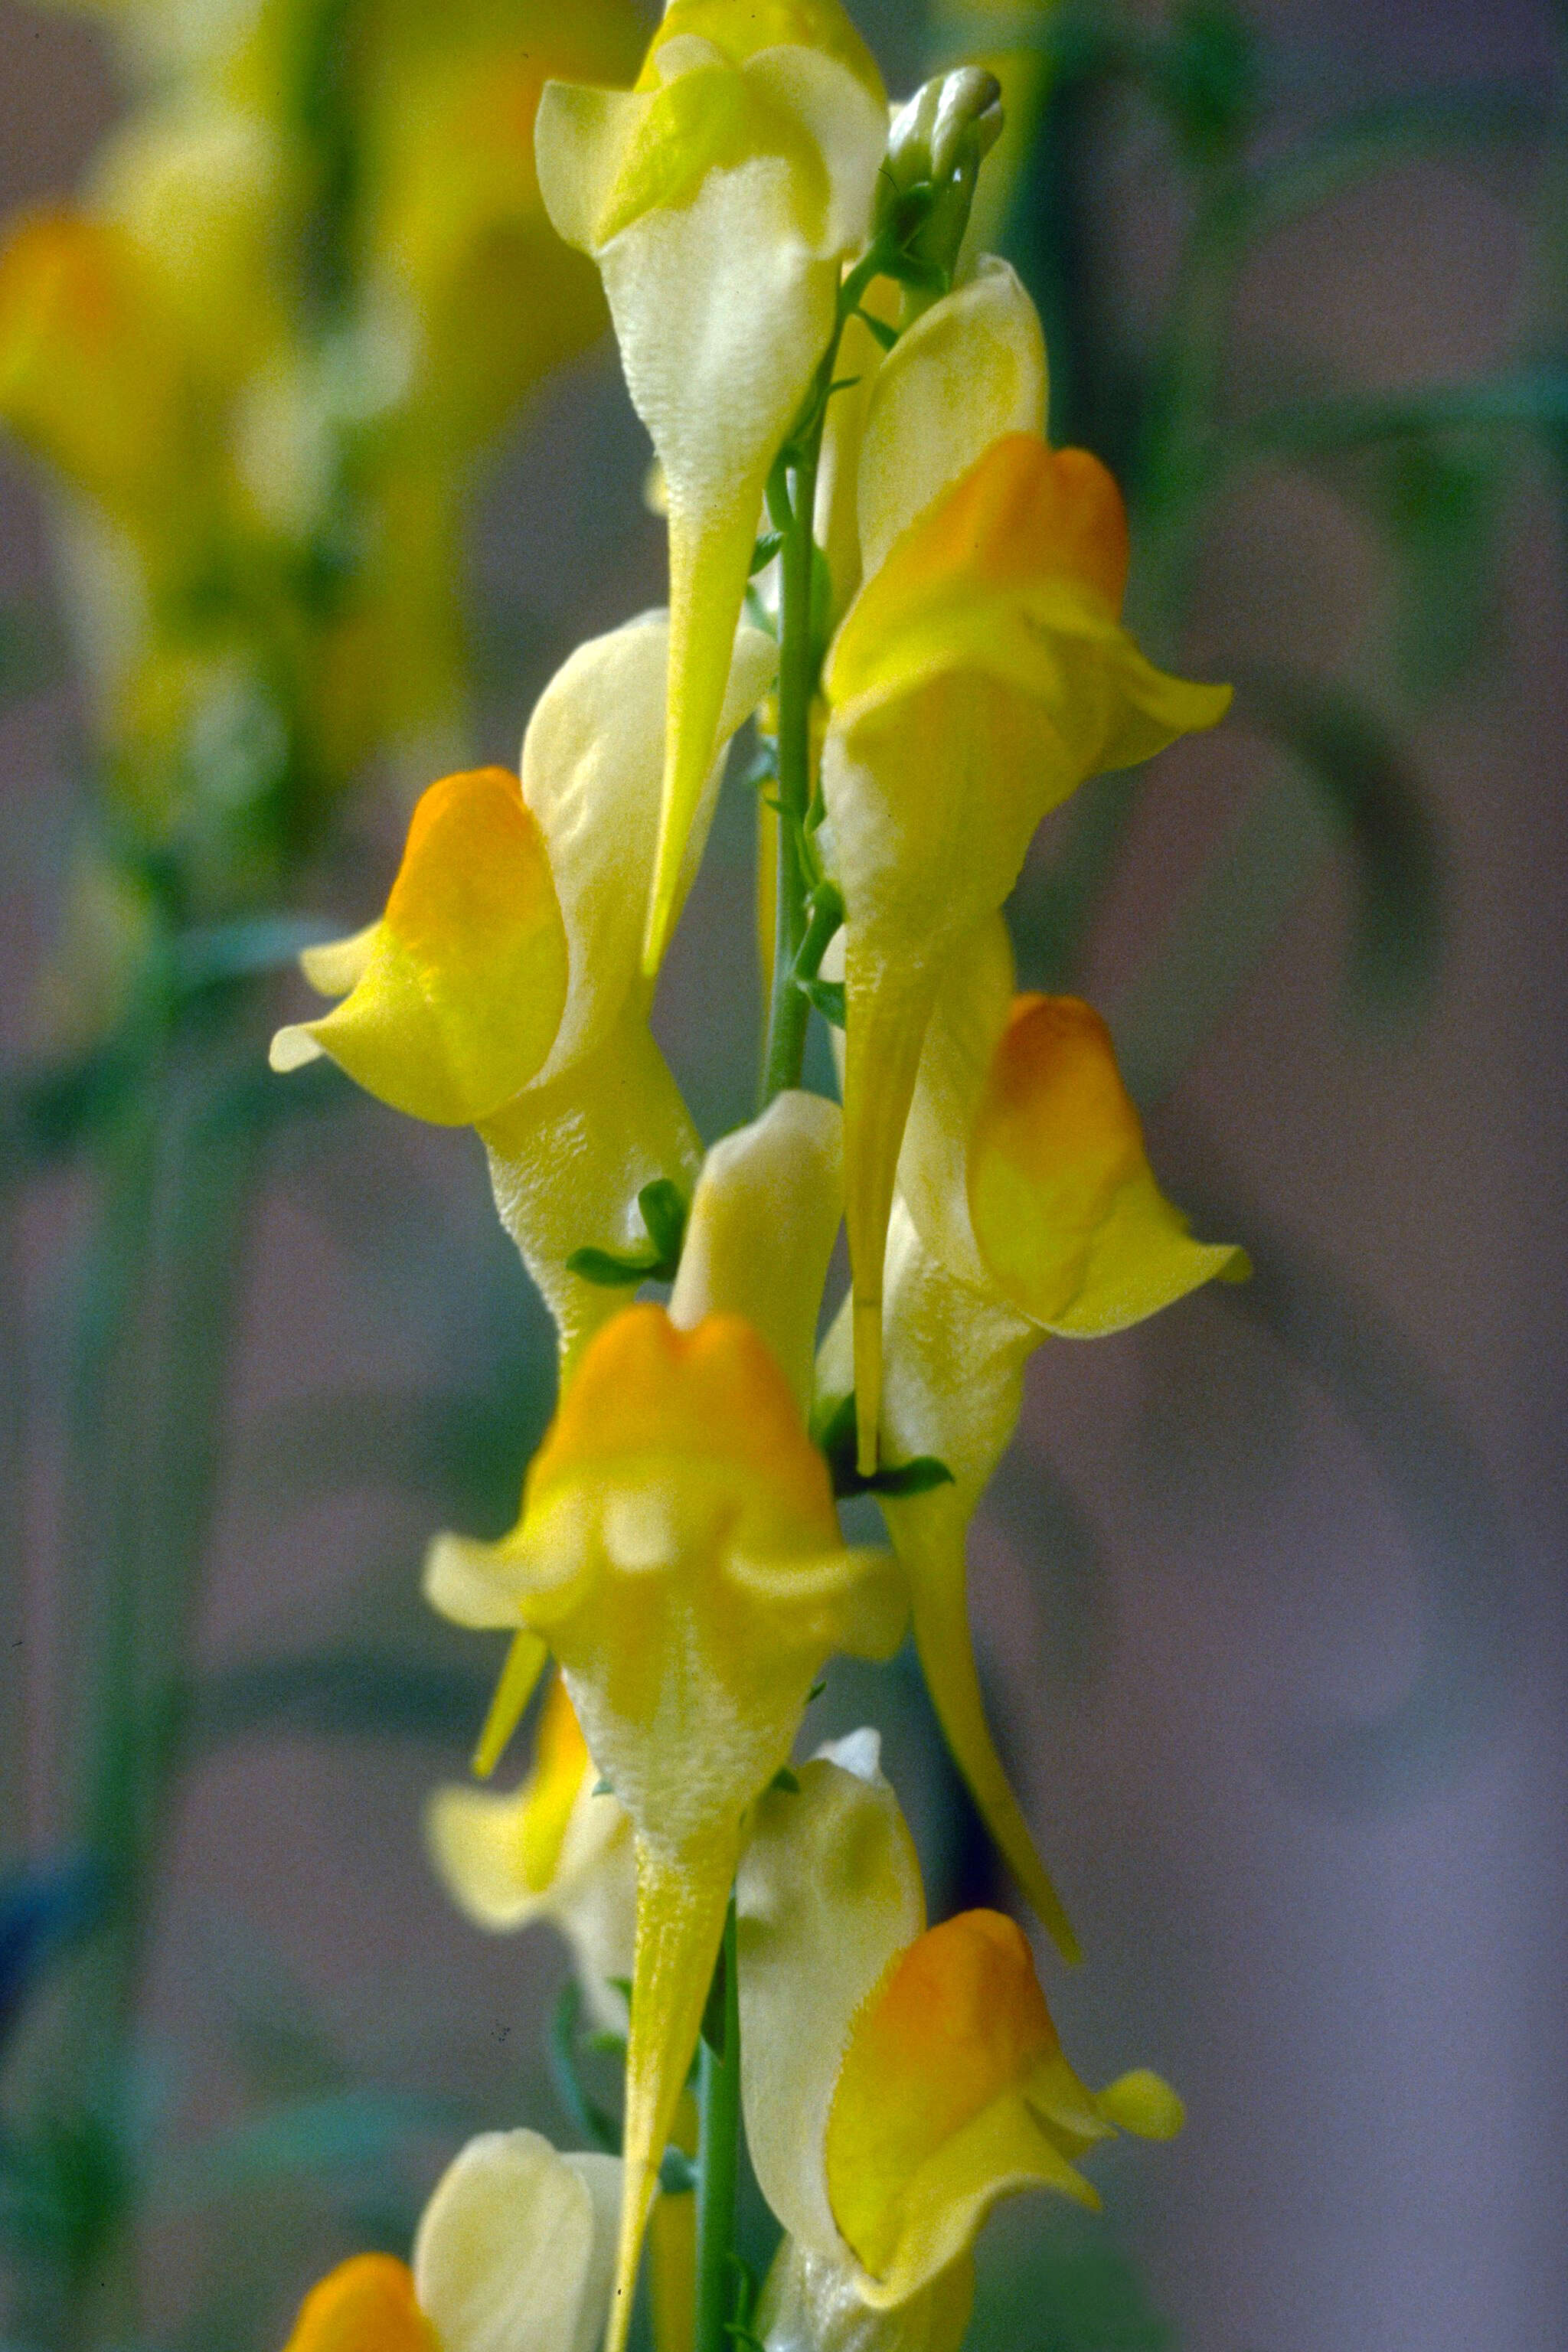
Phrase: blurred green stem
(151, 1388)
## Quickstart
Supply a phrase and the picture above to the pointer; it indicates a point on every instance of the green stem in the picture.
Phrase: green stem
(718, 2161)
(789, 1012)
(792, 501)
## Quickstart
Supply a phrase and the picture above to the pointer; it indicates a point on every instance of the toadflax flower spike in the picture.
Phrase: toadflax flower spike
(513, 2253)
(1026, 1206)
(718, 198)
(502, 986)
(980, 675)
(896, 2080)
(679, 1551)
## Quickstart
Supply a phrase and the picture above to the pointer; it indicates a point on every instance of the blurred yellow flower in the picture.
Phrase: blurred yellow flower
(559, 1849)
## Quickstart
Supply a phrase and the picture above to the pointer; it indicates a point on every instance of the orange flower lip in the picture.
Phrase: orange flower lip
(366, 2304)
(1022, 515)
(713, 1393)
(958, 2022)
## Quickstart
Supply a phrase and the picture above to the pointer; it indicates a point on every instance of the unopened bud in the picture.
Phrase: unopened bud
(937, 141)
(947, 128)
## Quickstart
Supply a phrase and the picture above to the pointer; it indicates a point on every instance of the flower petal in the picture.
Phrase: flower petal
(930, 2121)
(970, 369)
(592, 771)
(1065, 1214)
(513, 2252)
(763, 1221)
(717, 212)
(462, 990)
(366, 2304)
(829, 1894)
(683, 1894)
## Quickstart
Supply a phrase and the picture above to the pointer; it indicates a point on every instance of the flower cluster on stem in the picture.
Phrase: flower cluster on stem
(879, 562)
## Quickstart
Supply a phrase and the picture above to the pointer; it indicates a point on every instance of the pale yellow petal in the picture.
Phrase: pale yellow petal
(763, 1221)
(568, 1160)
(829, 1894)
(593, 769)
(512, 2252)
(813, 2303)
(683, 1892)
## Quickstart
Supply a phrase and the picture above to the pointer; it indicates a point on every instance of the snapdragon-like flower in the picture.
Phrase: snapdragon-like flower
(513, 2253)
(980, 675)
(898, 2080)
(560, 1848)
(1026, 1207)
(502, 989)
(679, 1552)
(720, 198)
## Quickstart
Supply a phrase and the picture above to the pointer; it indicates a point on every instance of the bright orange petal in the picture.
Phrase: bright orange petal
(366, 2304)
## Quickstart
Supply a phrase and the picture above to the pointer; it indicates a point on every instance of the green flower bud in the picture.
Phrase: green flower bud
(937, 141)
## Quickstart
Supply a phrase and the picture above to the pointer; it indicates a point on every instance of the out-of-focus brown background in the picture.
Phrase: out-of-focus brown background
(1276, 1630)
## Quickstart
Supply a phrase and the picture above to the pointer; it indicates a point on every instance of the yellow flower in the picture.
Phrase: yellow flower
(93, 373)
(679, 1551)
(559, 1849)
(455, 230)
(897, 2081)
(980, 675)
(512, 2254)
(718, 198)
(502, 986)
(1026, 1206)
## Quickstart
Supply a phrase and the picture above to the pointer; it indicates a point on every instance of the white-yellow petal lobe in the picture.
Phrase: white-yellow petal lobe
(593, 772)
(763, 1224)
(514, 2250)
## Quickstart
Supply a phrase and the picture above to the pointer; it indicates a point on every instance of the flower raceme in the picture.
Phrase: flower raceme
(720, 198)
(1026, 1207)
(898, 2080)
(679, 1552)
(512, 2254)
(501, 987)
(981, 674)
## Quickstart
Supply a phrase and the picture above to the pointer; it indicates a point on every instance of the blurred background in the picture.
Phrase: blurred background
(317, 464)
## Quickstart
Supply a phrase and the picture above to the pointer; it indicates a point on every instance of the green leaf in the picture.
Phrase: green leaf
(662, 1206)
(827, 997)
(833, 1433)
(611, 1273)
(663, 1209)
